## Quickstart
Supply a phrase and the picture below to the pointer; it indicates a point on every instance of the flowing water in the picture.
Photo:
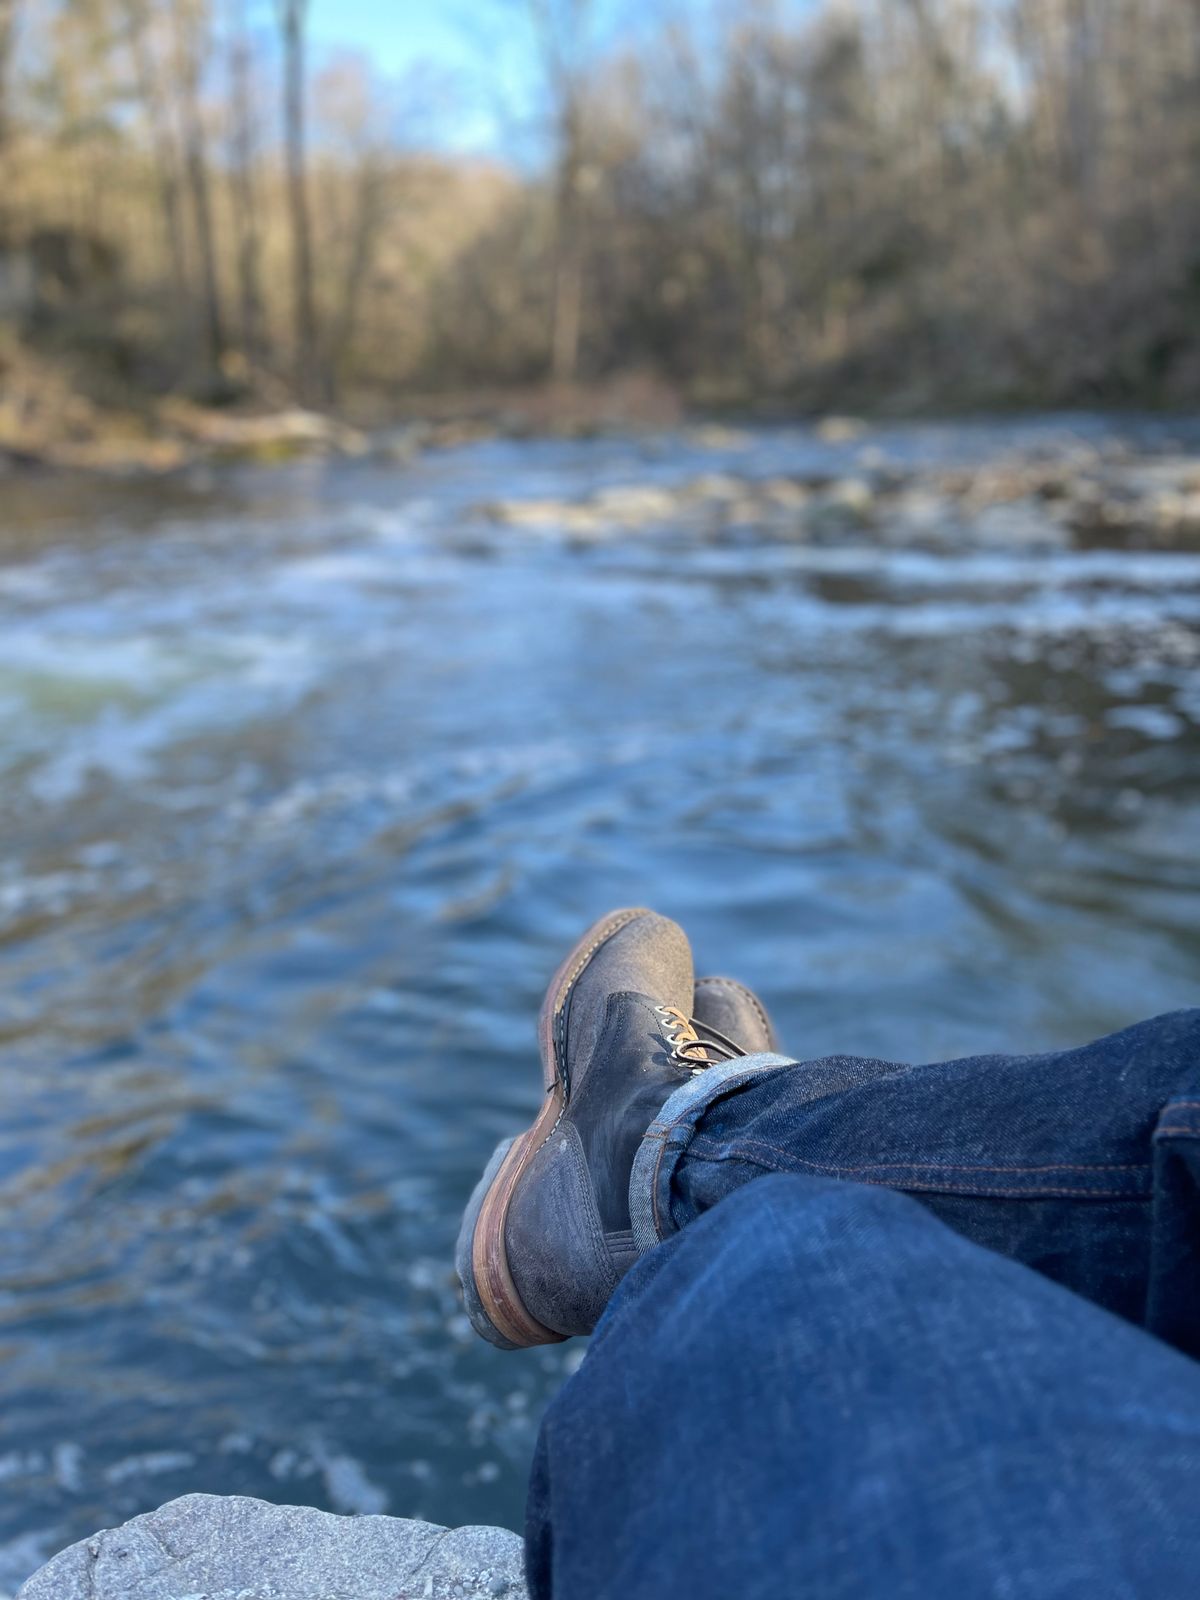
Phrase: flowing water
(308, 775)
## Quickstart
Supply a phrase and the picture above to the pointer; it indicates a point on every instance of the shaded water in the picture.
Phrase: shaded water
(306, 778)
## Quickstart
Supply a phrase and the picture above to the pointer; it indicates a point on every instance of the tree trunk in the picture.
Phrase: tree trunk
(8, 17)
(245, 199)
(166, 155)
(292, 17)
(566, 306)
(367, 220)
(190, 51)
(561, 31)
(8, 33)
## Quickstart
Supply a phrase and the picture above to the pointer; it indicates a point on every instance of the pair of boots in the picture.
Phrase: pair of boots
(547, 1235)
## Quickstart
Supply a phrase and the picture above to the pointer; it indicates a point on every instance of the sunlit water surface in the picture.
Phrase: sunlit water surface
(306, 778)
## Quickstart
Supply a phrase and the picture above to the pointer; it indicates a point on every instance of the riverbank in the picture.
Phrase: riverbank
(52, 424)
(52, 420)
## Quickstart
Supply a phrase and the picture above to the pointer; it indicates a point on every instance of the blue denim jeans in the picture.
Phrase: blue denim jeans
(898, 1331)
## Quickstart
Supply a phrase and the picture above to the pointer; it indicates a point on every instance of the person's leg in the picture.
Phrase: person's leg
(1084, 1164)
(817, 1388)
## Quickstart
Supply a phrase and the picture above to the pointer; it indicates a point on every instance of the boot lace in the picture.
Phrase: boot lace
(694, 1044)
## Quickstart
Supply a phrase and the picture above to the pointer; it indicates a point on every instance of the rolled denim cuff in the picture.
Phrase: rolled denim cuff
(669, 1135)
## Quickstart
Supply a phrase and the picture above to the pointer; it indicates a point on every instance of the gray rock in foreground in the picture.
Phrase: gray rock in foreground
(216, 1547)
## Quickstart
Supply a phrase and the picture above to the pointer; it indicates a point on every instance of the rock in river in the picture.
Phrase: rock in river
(235, 1548)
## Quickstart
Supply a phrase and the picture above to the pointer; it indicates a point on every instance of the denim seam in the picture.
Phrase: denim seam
(675, 1123)
(919, 1186)
(1179, 1108)
(662, 1150)
(941, 1166)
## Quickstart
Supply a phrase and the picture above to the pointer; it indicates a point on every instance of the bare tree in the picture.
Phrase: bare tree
(8, 36)
(561, 29)
(243, 152)
(356, 120)
(192, 42)
(152, 91)
(293, 17)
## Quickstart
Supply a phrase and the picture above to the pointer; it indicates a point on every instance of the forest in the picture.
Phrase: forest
(883, 204)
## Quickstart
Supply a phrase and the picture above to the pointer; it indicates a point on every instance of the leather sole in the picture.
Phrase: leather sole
(492, 1301)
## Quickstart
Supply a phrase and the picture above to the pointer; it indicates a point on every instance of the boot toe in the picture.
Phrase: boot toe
(735, 1011)
(650, 955)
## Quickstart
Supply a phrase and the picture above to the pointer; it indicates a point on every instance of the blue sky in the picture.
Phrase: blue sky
(397, 36)
(473, 63)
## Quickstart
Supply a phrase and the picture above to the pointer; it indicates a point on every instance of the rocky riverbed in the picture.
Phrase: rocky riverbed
(1077, 497)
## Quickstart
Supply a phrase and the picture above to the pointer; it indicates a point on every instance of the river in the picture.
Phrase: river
(309, 773)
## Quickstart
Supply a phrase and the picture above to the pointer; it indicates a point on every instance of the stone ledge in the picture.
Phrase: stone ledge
(218, 1547)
